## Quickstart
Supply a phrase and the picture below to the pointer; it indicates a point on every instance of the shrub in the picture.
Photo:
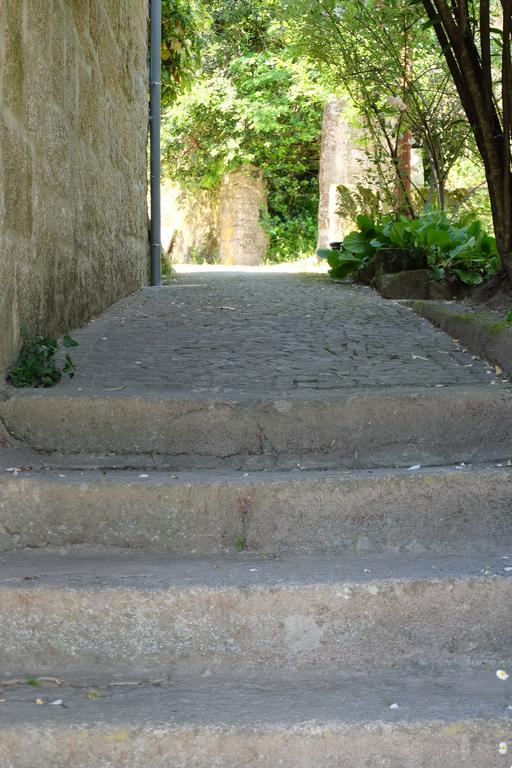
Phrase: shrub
(37, 366)
(460, 248)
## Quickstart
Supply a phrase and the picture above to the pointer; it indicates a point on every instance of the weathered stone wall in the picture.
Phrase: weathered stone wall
(190, 224)
(73, 126)
(242, 239)
(221, 225)
(342, 162)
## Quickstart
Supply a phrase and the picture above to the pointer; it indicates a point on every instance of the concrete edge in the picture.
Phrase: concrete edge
(480, 332)
(378, 428)
(265, 512)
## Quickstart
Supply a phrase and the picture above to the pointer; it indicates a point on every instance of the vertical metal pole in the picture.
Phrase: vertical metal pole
(155, 110)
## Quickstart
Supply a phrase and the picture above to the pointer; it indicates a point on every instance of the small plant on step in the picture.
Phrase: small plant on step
(37, 365)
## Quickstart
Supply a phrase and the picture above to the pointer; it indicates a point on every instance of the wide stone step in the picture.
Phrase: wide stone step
(370, 428)
(236, 615)
(428, 510)
(402, 718)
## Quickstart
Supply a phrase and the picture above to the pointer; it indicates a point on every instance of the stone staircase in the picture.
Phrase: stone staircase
(203, 583)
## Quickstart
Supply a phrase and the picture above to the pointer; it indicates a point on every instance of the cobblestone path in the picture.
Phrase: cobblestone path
(268, 332)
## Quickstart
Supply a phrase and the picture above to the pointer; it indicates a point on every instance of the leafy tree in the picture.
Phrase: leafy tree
(252, 102)
(390, 67)
(474, 38)
(181, 24)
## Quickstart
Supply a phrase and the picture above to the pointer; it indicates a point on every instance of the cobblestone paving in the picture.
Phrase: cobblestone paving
(266, 332)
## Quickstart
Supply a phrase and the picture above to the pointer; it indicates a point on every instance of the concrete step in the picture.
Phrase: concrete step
(401, 718)
(394, 427)
(232, 615)
(430, 510)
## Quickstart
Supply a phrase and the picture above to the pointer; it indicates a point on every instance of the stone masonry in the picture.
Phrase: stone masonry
(341, 162)
(73, 127)
(242, 238)
(267, 524)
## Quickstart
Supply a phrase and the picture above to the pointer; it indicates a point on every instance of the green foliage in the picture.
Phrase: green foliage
(37, 366)
(252, 103)
(181, 23)
(33, 682)
(462, 249)
(241, 544)
(168, 273)
(389, 64)
(292, 238)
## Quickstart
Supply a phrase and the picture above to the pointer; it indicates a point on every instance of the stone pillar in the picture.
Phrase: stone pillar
(242, 239)
(190, 224)
(341, 162)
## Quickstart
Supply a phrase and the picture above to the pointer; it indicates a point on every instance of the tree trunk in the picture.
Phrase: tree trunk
(469, 62)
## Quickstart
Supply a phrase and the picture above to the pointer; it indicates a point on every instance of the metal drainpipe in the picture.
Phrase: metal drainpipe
(155, 110)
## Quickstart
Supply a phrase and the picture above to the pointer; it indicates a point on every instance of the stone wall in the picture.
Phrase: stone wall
(242, 239)
(73, 126)
(190, 224)
(221, 225)
(342, 162)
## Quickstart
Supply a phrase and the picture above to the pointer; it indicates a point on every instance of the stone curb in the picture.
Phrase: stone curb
(357, 429)
(331, 512)
(235, 616)
(481, 332)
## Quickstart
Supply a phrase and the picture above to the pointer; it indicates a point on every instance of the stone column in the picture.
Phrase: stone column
(341, 162)
(242, 239)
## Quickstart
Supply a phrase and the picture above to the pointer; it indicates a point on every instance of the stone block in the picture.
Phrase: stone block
(242, 238)
(439, 290)
(393, 260)
(413, 284)
(17, 179)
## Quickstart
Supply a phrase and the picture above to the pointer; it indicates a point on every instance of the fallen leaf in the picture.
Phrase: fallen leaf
(94, 694)
(39, 701)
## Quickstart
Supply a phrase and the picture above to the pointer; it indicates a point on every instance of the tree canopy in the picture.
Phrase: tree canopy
(252, 101)
(434, 74)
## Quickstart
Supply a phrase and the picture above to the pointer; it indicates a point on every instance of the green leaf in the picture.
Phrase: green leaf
(324, 253)
(339, 258)
(468, 277)
(356, 243)
(434, 21)
(438, 273)
(343, 270)
(438, 237)
(69, 367)
(365, 224)
(69, 342)
(509, 318)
